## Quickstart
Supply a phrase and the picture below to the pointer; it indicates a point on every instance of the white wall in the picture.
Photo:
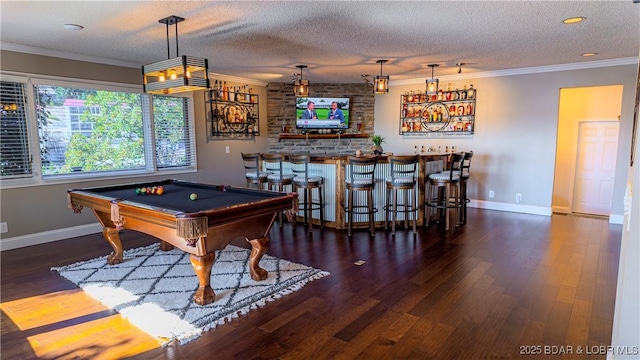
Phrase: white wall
(516, 130)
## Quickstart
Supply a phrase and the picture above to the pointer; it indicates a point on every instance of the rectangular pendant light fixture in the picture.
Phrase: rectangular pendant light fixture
(175, 75)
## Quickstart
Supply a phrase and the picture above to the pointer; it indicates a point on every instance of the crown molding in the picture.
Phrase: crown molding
(486, 74)
(525, 71)
(71, 56)
(33, 50)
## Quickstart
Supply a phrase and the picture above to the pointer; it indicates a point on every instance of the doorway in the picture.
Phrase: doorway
(585, 160)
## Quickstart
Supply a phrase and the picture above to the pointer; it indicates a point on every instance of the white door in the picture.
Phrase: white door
(595, 170)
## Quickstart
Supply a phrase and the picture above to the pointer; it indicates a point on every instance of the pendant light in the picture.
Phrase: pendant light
(301, 87)
(432, 84)
(175, 75)
(381, 83)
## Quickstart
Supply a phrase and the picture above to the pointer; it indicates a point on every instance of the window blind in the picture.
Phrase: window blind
(173, 139)
(14, 145)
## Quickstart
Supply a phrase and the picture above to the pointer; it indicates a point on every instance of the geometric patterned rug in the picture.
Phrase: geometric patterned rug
(154, 289)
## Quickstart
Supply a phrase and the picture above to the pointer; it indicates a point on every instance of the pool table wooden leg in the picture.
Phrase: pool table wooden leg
(112, 236)
(202, 267)
(258, 248)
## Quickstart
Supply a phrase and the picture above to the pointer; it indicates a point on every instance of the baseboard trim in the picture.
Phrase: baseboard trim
(616, 219)
(525, 209)
(48, 236)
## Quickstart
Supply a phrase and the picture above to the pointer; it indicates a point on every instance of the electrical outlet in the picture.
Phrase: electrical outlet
(518, 198)
(492, 194)
(227, 150)
(4, 228)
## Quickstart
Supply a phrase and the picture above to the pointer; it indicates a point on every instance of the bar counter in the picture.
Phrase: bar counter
(333, 168)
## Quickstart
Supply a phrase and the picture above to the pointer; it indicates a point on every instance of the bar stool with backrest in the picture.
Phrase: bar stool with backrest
(402, 178)
(252, 172)
(302, 180)
(277, 179)
(447, 196)
(360, 177)
(465, 165)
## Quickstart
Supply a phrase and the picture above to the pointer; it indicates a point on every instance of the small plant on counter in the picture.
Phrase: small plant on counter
(377, 141)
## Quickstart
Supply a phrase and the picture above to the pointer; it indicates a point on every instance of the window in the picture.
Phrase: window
(172, 132)
(14, 144)
(95, 130)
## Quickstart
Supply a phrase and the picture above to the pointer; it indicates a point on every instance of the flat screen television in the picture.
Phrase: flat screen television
(323, 110)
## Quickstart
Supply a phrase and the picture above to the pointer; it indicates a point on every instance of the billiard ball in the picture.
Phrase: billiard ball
(193, 196)
(160, 190)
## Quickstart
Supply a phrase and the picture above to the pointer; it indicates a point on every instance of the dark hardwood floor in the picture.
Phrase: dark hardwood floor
(503, 286)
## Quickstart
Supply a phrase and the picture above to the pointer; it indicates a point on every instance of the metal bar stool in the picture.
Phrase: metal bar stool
(402, 178)
(360, 177)
(445, 182)
(302, 180)
(465, 165)
(252, 172)
(276, 178)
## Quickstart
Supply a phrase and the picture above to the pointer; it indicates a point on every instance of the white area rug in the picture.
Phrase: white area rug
(154, 289)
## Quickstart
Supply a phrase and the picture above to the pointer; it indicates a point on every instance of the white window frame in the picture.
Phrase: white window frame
(37, 179)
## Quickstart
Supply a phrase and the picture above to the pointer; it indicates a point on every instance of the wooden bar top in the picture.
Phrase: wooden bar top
(381, 158)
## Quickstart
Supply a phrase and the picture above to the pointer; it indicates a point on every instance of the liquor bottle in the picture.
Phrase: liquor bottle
(456, 95)
(404, 111)
(439, 115)
(440, 95)
(471, 93)
(214, 92)
(225, 91)
(460, 110)
(463, 93)
(232, 94)
(469, 109)
(453, 110)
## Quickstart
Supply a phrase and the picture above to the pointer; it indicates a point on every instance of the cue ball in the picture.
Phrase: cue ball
(193, 196)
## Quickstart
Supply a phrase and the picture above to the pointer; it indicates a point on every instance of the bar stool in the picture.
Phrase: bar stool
(252, 172)
(277, 179)
(465, 165)
(360, 177)
(403, 178)
(445, 183)
(302, 180)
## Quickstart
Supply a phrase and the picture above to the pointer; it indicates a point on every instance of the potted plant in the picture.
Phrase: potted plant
(377, 141)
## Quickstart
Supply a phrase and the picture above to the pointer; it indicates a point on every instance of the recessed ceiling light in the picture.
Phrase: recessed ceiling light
(589, 54)
(73, 26)
(574, 20)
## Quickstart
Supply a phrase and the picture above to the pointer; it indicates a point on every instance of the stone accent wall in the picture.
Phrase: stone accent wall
(281, 111)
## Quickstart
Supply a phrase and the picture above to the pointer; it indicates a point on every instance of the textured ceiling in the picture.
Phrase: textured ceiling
(339, 40)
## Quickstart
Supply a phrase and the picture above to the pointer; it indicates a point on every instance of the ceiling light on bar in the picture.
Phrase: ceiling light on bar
(432, 84)
(301, 87)
(381, 83)
(175, 75)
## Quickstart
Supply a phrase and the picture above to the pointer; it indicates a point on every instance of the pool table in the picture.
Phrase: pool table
(199, 227)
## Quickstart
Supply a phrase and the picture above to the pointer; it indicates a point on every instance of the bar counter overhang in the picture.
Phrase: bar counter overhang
(333, 169)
